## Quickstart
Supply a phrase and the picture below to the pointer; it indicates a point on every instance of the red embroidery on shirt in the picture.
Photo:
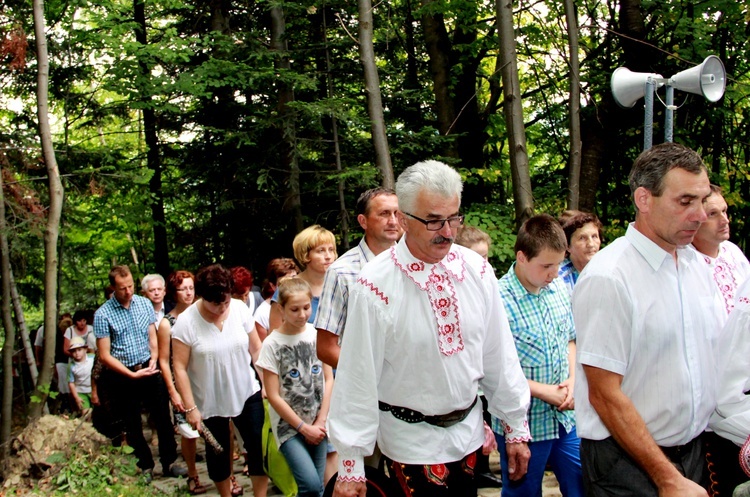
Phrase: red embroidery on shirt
(374, 289)
(516, 440)
(416, 266)
(724, 276)
(508, 433)
(439, 285)
(348, 465)
(351, 478)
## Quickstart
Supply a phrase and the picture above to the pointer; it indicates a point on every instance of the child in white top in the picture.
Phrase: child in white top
(79, 373)
(298, 386)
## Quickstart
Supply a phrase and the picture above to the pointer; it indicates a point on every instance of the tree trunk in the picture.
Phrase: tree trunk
(438, 48)
(53, 216)
(601, 125)
(6, 414)
(287, 126)
(153, 159)
(574, 160)
(372, 89)
(344, 216)
(523, 198)
(21, 323)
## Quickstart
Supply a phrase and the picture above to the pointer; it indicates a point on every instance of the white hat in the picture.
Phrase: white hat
(77, 343)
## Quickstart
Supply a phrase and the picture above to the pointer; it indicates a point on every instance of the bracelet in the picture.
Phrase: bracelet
(299, 425)
(191, 409)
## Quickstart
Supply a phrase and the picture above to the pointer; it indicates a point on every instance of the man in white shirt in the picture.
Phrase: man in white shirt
(425, 329)
(647, 317)
(153, 288)
(728, 264)
(377, 210)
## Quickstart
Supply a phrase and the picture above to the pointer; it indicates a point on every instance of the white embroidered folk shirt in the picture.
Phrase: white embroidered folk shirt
(425, 337)
(731, 419)
(656, 323)
(729, 269)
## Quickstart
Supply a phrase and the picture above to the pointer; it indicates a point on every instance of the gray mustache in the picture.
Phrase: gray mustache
(441, 239)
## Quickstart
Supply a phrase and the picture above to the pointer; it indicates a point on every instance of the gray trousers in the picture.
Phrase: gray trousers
(609, 471)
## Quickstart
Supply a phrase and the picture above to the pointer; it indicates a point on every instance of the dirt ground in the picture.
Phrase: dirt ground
(550, 487)
(43, 446)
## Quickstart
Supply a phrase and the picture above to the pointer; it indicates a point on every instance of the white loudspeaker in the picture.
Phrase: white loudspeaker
(707, 79)
(628, 86)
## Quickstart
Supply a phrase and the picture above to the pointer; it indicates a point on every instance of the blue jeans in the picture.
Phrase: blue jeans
(563, 455)
(307, 462)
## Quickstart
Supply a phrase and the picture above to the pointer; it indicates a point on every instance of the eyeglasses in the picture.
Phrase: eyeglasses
(437, 224)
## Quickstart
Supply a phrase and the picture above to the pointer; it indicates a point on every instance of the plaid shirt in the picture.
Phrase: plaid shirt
(127, 329)
(568, 274)
(340, 276)
(542, 325)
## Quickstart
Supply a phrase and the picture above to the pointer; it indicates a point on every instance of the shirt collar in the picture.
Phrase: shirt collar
(420, 272)
(516, 288)
(364, 249)
(654, 254)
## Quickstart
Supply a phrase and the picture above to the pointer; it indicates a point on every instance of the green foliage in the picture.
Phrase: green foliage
(497, 221)
(45, 390)
(111, 471)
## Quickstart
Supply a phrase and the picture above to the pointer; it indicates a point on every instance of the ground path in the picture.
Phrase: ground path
(550, 487)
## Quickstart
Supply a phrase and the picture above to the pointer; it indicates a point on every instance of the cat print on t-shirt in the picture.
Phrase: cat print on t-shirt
(301, 382)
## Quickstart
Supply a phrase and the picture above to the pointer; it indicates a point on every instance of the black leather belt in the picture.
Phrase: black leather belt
(412, 416)
(676, 453)
(138, 367)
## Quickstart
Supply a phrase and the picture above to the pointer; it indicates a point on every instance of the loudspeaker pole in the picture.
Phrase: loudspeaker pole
(648, 116)
(669, 114)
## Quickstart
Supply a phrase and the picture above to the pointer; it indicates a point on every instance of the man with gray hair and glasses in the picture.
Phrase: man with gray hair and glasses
(426, 328)
(647, 318)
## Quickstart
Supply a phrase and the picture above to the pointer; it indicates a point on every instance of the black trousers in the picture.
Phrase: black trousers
(454, 479)
(609, 470)
(128, 396)
(250, 425)
(724, 470)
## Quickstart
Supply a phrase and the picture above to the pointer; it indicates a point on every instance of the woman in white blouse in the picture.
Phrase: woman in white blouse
(214, 343)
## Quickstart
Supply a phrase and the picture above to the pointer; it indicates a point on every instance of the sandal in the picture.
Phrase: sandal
(236, 487)
(194, 486)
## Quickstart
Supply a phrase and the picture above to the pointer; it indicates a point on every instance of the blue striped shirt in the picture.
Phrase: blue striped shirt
(542, 325)
(339, 277)
(127, 329)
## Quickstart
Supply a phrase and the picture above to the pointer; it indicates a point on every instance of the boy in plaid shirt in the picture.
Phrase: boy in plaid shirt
(541, 320)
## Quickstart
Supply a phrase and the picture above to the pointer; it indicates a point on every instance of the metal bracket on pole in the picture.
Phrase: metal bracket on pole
(669, 115)
(648, 118)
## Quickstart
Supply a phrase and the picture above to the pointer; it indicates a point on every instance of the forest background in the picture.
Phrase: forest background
(189, 132)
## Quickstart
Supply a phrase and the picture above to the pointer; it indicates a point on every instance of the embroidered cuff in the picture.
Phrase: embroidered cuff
(516, 434)
(745, 457)
(352, 469)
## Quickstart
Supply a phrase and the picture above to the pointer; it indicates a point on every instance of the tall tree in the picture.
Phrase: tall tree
(287, 120)
(523, 199)
(372, 89)
(6, 411)
(153, 155)
(574, 159)
(56, 193)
